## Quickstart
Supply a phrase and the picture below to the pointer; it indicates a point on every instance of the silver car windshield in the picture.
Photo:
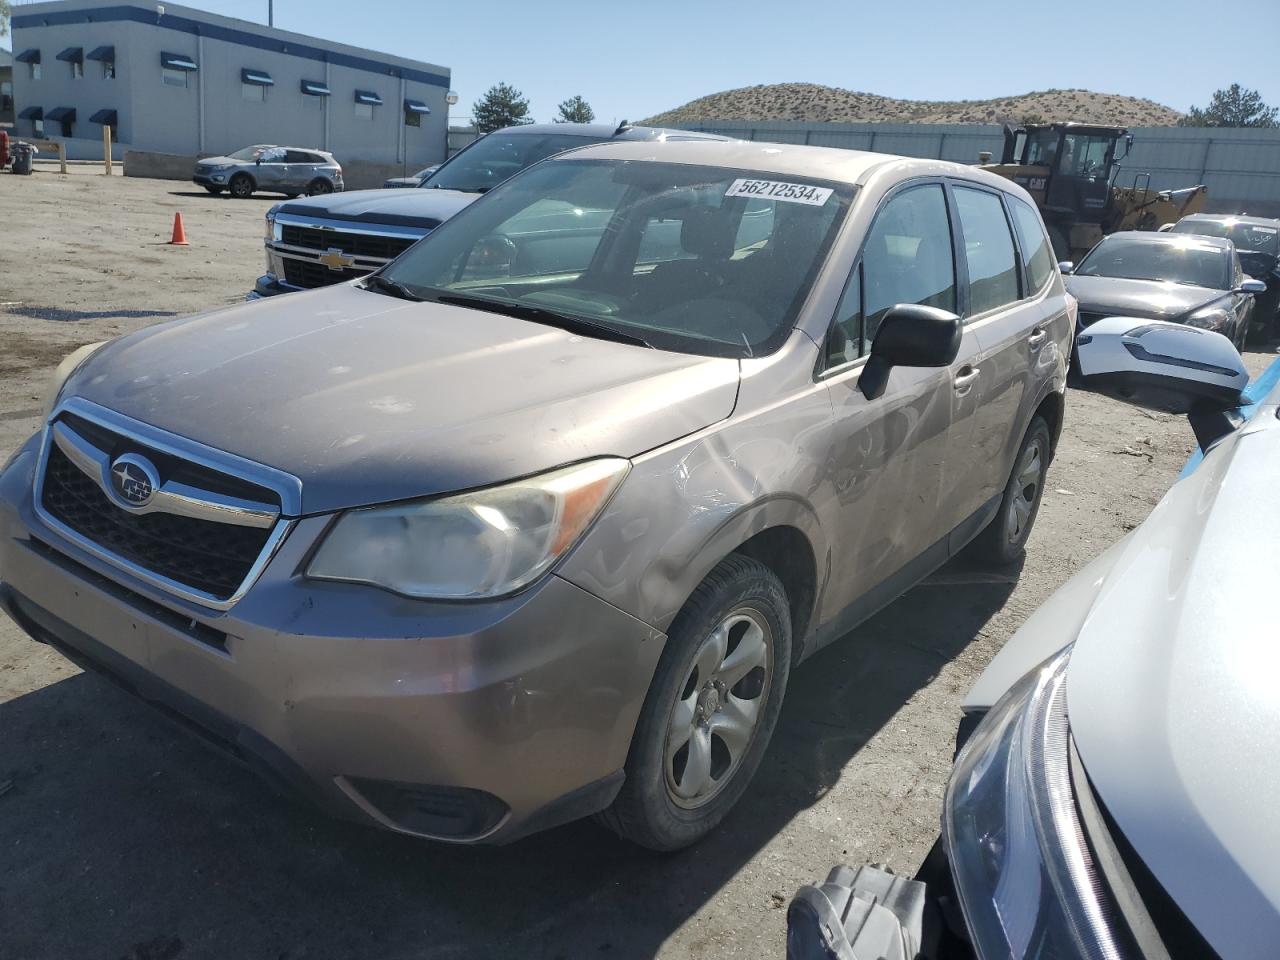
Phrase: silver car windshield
(1172, 260)
(1246, 236)
(697, 259)
(249, 154)
(493, 158)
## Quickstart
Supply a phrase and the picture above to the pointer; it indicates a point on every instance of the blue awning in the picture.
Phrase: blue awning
(416, 106)
(32, 113)
(314, 88)
(103, 53)
(368, 96)
(259, 78)
(72, 55)
(177, 61)
(62, 113)
(107, 117)
(28, 56)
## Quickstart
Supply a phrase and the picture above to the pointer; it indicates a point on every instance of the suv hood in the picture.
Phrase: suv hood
(409, 207)
(1172, 692)
(367, 399)
(1147, 299)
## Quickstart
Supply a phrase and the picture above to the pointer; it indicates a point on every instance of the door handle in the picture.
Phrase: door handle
(1037, 338)
(963, 381)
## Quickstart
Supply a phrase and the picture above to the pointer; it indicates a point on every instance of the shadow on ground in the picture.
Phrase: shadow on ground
(60, 315)
(125, 838)
(206, 195)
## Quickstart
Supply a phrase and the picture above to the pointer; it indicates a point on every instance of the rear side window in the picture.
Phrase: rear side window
(988, 244)
(1036, 251)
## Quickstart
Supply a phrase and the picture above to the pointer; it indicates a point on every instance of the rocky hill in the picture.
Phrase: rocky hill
(816, 103)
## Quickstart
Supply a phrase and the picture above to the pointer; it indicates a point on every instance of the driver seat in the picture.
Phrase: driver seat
(706, 233)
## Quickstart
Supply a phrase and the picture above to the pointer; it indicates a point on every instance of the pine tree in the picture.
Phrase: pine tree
(575, 110)
(1233, 107)
(501, 106)
(4, 17)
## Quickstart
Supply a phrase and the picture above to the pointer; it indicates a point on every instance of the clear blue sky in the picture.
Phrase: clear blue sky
(631, 60)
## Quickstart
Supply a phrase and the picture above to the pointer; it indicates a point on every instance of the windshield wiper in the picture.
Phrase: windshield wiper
(381, 284)
(551, 318)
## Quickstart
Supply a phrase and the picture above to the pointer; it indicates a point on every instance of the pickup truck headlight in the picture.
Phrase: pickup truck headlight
(271, 222)
(1024, 875)
(472, 546)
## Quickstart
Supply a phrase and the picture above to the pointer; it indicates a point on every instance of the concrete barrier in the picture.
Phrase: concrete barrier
(158, 166)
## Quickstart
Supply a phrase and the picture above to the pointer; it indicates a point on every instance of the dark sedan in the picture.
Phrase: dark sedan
(1162, 276)
(1257, 241)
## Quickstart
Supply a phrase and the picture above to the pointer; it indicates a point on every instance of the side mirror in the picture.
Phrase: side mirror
(1164, 228)
(1065, 266)
(1165, 366)
(909, 336)
(1252, 286)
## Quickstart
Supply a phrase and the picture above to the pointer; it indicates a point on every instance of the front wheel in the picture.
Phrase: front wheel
(1006, 536)
(241, 186)
(319, 187)
(710, 711)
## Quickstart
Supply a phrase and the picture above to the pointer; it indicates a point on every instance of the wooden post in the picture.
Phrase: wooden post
(62, 157)
(106, 148)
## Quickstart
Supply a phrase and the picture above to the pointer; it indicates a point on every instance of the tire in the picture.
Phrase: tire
(241, 186)
(1005, 538)
(745, 596)
(318, 187)
(214, 190)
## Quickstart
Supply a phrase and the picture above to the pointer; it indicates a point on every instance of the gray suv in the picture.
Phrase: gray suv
(263, 168)
(535, 522)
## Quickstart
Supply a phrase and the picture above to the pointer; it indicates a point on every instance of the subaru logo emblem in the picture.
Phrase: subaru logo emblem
(134, 479)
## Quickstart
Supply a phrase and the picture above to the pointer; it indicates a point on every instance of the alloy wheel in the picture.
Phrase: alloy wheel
(1022, 504)
(714, 720)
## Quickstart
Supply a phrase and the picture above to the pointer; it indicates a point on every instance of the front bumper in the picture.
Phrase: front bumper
(269, 285)
(210, 179)
(476, 722)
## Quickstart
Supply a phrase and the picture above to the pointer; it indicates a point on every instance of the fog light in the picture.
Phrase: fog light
(449, 813)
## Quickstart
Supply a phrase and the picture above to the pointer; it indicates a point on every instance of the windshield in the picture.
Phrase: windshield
(492, 159)
(1172, 260)
(251, 153)
(1246, 236)
(696, 259)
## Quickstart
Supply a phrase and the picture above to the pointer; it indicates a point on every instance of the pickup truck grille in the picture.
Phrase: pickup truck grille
(213, 558)
(353, 244)
(309, 273)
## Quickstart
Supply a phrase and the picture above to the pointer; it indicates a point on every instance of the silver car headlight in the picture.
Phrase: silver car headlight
(1210, 318)
(471, 546)
(69, 365)
(1024, 875)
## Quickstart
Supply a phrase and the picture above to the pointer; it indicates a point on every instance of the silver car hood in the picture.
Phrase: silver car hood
(1173, 698)
(1149, 299)
(384, 206)
(367, 398)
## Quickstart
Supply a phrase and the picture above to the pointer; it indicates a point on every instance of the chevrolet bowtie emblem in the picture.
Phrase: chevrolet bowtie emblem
(335, 259)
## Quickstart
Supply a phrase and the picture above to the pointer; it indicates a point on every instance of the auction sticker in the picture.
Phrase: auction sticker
(779, 190)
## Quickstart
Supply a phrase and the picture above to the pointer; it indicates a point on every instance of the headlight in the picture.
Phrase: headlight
(271, 222)
(1210, 318)
(63, 373)
(1024, 875)
(472, 546)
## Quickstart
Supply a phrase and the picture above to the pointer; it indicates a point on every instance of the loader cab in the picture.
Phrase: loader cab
(1068, 168)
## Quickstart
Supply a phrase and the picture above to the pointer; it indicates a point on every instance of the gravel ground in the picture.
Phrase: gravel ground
(124, 838)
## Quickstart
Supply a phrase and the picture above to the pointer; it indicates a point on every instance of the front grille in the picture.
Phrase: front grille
(203, 169)
(213, 558)
(373, 246)
(308, 274)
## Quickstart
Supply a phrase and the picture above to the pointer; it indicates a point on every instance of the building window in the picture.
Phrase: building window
(254, 92)
(412, 118)
(174, 78)
(108, 69)
(66, 128)
(35, 70)
(364, 111)
(77, 70)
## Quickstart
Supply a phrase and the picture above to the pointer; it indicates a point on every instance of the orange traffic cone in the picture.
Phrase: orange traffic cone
(179, 235)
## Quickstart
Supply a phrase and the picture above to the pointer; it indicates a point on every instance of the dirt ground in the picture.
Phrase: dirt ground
(124, 838)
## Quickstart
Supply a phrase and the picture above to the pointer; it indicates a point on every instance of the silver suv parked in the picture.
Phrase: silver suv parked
(268, 169)
(535, 522)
